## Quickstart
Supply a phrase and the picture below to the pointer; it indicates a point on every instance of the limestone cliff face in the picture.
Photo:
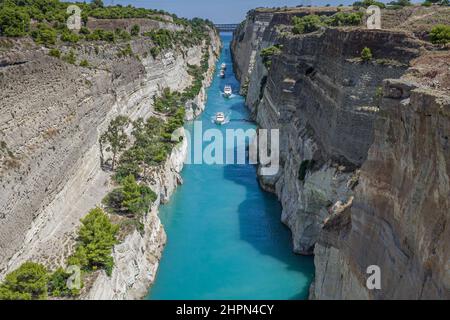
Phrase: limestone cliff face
(50, 168)
(326, 104)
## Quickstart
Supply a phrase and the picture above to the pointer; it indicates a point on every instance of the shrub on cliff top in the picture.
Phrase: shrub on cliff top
(135, 30)
(440, 34)
(27, 282)
(96, 238)
(306, 24)
(368, 3)
(313, 22)
(70, 57)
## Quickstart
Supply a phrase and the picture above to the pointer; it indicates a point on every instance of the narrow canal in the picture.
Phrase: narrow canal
(225, 238)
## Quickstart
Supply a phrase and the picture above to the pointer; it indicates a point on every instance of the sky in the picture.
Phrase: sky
(220, 11)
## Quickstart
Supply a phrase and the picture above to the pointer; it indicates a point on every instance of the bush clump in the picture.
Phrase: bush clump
(366, 54)
(96, 238)
(126, 52)
(14, 22)
(101, 35)
(131, 198)
(440, 34)
(345, 19)
(368, 3)
(57, 284)
(115, 138)
(28, 282)
(305, 166)
(312, 22)
(54, 53)
(268, 53)
(135, 29)
(400, 3)
(84, 63)
(70, 57)
(122, 34)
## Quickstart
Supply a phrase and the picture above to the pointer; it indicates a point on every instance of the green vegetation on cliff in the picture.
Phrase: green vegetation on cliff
(165, 39)
(368, 3)
(305, 167)
(115, 139)
(96, 238)
(440, 34)
(366, 54)
(32, 281)
(16, 17)
(27, 282)
(153, 138)
(268, 53)
(131, 198)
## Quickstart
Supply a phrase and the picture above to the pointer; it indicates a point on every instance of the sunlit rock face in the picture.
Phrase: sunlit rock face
(52, 114)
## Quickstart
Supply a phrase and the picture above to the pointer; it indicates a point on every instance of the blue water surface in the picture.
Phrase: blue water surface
(225, 238)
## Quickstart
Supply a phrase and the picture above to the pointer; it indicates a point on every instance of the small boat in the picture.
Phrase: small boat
(220, 118)
(227, 91)
(223, 66)
(222, 73)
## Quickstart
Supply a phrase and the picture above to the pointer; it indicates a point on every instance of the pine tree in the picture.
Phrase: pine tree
(115, 137)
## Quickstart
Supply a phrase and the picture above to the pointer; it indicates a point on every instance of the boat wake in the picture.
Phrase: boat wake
(228, 97)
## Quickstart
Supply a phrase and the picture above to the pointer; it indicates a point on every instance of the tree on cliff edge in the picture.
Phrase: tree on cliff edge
(115, 138)
(97, 4)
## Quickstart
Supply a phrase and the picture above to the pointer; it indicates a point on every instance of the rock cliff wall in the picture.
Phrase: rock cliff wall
(328, 106)
(50, 168)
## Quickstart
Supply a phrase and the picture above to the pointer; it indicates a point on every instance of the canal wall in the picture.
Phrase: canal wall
(52, 125)
(354, 183)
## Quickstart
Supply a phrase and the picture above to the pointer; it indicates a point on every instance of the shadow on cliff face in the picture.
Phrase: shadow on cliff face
(260, 226)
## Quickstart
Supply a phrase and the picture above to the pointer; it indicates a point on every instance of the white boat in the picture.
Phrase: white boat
(222, 73)
(227, 91)
(223, 66)
(220, 118)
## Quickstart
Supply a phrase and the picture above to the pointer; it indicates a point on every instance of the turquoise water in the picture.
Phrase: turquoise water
(225, 238)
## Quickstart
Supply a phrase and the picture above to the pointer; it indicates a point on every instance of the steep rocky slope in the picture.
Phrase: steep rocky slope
(356, 184)
(52, 114)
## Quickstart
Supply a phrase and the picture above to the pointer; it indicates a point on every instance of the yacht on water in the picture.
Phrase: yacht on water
(220, 118)
(222, 73)
(227, 91)
(223, 66)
